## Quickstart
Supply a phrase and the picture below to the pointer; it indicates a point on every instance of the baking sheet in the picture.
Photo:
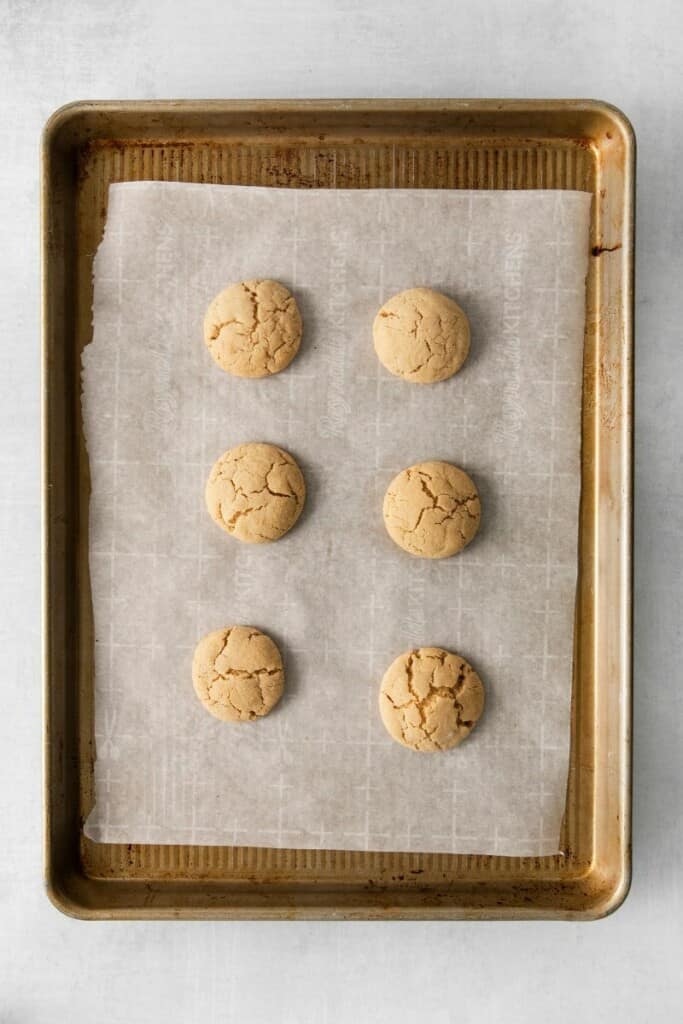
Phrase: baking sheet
(337, 595)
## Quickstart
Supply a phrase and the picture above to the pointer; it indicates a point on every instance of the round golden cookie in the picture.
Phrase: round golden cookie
(421, 336)
(432, 509)
(253, 328)
(256, 492)
(237, 673)
(430, 699)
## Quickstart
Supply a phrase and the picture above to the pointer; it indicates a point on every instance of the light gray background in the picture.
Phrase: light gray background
(627, 967)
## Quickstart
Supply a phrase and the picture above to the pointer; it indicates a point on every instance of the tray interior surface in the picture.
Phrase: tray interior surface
(355, 144)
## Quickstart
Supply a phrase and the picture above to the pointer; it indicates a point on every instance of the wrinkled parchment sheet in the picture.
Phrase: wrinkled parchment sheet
(340, 599)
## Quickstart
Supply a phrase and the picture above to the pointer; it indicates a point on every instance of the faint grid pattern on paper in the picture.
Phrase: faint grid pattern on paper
(336, 594)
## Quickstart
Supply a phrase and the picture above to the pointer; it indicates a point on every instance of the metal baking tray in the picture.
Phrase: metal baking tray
(490, 144)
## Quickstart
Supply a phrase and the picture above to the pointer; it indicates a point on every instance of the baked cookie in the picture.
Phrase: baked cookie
(253, 328)
(432, 509)
(430, 699)
(421, 336)
(237, 673)
(256, 492)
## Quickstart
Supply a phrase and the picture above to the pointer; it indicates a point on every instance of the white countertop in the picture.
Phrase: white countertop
(627, 967)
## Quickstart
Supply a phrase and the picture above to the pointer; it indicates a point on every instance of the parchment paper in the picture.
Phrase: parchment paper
(336, 594)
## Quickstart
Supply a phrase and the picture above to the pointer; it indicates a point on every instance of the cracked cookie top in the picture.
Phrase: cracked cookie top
(421, 336)
(237, 673)
(256, 492)
(253, 329)
(430, 699)
(432, 509)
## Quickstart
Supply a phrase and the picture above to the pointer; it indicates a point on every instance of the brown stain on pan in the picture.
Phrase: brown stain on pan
(598, 250)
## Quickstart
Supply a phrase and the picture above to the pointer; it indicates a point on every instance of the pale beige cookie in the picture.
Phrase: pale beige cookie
(253, 328)
(256, 492)
(432, 509)
(421, 336)
(430, 699)
(237, 673)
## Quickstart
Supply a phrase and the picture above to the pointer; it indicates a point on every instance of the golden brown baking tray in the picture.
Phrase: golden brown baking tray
(488, 144)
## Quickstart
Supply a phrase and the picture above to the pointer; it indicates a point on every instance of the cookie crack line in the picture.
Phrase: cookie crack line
(225, 644)
(239, 490)
(230, 459)
(431, 354)
(214, 701)
(234, 519)
(217, 328)
(255, 310)
(414, 329)
(246, 673)
(448, 514)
